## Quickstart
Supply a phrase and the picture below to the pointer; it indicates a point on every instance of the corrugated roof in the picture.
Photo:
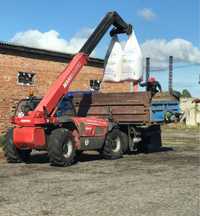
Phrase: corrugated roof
(19, 50)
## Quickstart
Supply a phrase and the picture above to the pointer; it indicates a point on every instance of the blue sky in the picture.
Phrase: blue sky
(152, 20)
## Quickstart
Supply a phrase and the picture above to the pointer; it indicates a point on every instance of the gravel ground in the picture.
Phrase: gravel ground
(163, 184)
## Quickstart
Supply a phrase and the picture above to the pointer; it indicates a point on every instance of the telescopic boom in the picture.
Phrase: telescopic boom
(61, 86)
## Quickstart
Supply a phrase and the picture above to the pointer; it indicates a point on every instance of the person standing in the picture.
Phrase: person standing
(152, 85)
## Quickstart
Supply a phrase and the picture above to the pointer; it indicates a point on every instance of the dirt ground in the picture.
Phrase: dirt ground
(156, 184)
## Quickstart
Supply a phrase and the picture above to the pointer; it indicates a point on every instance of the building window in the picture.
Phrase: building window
(95, 85)
(25, 78)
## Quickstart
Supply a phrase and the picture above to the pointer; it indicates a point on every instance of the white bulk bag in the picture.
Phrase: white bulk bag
(132, 60)
(113, 61)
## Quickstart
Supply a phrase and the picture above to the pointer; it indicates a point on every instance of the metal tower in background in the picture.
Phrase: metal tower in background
(170, 74)
(147, 69)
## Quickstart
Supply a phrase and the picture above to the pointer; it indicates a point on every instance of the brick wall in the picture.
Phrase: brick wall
(46, 72)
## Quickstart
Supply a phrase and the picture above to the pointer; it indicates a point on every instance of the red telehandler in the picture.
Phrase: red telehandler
(39, 127)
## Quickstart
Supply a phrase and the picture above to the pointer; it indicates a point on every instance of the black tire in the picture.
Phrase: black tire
(61, 148)
(125, 147)
(112, 148)
(11, 152)
(24, 154)
(151, 143)
(79, 153)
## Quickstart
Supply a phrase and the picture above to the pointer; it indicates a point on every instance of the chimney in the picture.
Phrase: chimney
(147, 69)
(170, 87)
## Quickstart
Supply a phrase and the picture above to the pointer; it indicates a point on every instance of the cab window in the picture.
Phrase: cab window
(65, 108)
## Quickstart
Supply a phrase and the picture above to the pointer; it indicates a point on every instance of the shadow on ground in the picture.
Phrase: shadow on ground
(85, 156)
(39, 158)
(164, 149)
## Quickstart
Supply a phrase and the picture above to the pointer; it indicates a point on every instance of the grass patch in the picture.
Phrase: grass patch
(180, 126)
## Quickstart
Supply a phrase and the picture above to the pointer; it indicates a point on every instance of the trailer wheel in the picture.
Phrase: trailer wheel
(151, 142)
(11, 152)
(61, 149)
(125, 147)
(113, 145)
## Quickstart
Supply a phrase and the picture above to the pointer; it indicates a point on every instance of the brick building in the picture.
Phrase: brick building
(24, 69)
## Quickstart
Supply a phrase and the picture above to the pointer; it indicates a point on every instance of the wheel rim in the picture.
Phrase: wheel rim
(116, 144)
(67, 149)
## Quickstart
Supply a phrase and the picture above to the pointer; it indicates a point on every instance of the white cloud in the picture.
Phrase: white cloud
(159, 51)
(51, 40)
(147, 14)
